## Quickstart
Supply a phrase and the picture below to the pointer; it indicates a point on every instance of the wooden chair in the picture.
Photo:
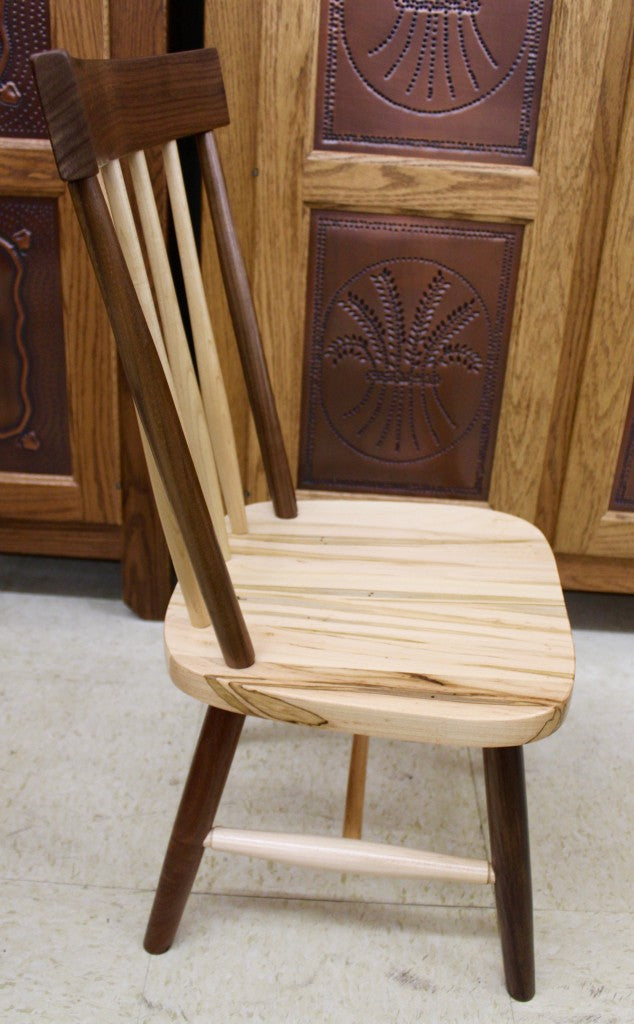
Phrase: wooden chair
(415, 620)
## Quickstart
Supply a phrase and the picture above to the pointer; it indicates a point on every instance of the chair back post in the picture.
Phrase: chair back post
(161, 422)
(267, 424)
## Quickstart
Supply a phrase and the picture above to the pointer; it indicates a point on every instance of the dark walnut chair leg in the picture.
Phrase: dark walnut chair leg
(206, 780)
(510, 855)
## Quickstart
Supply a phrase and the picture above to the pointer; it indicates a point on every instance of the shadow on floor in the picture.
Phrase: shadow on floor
(72, 577)
(613, 613)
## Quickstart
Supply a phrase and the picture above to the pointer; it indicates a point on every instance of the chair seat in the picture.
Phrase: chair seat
(421, 621)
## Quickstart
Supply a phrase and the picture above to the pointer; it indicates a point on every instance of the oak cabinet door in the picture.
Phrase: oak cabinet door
(59, 438)
(72, 475)
(596, 517)
(417, 185)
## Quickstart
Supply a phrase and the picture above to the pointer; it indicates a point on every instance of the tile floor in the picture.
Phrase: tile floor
(94, 745)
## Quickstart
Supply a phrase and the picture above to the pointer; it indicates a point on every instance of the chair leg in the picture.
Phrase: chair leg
(510, 855)
(355, 795)
(206, 780)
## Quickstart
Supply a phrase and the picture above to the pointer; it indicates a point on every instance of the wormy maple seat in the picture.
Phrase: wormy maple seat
(421, 620)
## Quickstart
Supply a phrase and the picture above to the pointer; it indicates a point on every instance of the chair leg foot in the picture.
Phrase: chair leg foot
(206, 780)
(510, 855)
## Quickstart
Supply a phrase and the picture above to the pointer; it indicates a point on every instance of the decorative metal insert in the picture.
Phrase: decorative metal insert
(406, 335)
(34, 431)
(24, 29)
(437, 75)
(623, 493)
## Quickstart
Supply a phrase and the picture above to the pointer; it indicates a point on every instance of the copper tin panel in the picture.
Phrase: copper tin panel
(407, 329)
(447, 77)
(24, 29)
(623, 493)
(34, 430)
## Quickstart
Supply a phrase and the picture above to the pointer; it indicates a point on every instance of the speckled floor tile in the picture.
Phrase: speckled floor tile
(70, 954)
(286, 962)
(94, 740)
(584, 970)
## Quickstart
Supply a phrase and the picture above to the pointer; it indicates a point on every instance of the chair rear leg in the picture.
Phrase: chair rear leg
(206, 780)
(510, 855)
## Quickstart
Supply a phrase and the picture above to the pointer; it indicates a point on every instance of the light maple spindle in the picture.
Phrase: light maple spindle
(182, 377)
(335, 854)
(212, 385)
(122, 217)
(194, 602)
(113, 186)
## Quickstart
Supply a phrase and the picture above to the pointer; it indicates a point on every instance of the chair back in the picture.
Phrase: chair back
(102, 116)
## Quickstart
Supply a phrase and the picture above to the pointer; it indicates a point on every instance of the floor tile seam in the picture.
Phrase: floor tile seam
(143, 997)
(62, 884)
(512, 1010)
(234, 894)
(482, 817)
(289, 897)
(602, 911)
(294, 898)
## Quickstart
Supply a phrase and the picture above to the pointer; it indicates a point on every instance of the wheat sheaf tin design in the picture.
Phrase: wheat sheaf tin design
(434, 57)
(405, 410)
(407, 329)
(433, 74)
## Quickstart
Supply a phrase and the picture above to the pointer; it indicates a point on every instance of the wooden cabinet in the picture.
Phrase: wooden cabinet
(72, 480)
(59, 455)
(455, 178)
(433, 201)
(595, 527)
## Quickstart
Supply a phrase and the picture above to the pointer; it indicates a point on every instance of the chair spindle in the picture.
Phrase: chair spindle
(198, 614)
(256, 375)
(214, 395)
(161, 422)
(182, 373)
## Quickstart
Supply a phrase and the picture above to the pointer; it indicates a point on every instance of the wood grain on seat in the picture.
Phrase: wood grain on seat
(428, 621)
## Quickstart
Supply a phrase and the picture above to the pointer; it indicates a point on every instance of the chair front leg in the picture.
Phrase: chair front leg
(510, 855)
(206, 780)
